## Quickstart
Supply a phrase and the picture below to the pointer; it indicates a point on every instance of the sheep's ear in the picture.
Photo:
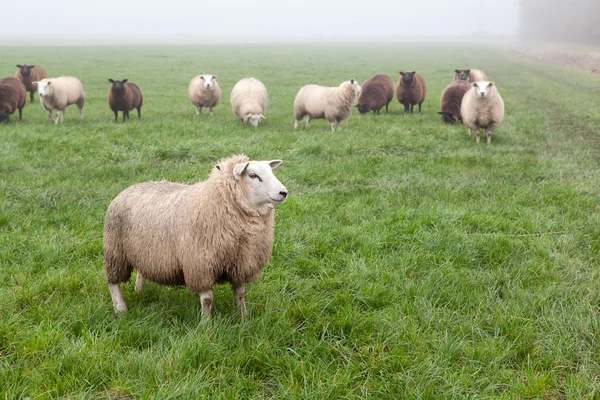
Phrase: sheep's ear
(401, 73)
(468, 71)
(239, 170)
(35, 83)
(275, 163)
(352, 81)
(110, 80)
(475, 84)
(49, 82)
(413, 72)
(456, 71)
(491, 84)
(218, 167)
(262, 116)
(31, 66)
(19, 65)
(124, 81)
(202, 77)
(214, 77)
(441, 113)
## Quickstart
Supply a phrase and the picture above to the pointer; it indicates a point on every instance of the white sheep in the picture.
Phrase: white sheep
(58, 93)
(249, 101)
(204, 91)
(331, 103)
(482, 108)
(219, 230)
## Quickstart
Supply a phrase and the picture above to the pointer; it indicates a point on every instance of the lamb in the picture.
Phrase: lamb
(376, 92)
(218, 230)
(482, 108)
(451, 100)
(58, 93)
(331, 103)
(124, 96)
(13, 96)
(411, 90)
(469, 75)
(204, 91)
(249, 101)
(28, 74)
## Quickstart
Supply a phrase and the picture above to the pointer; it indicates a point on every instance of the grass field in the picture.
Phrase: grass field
(408, 261)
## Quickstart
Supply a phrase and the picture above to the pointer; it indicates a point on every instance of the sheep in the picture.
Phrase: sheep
(451, 100)
(469, 75)
(482, 108)
(28, 74)
(331, 103)
(204, 91)
(13, 96)
(249, 101)
(376, 92)
(58, 93)
(411, 90)
(124, 96)
(218, 230)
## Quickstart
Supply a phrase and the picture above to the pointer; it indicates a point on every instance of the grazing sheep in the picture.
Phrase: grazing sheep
(249, 101)
(28, 74)
(469, 75)
(411, 90)
(219, 230)
(331, 103)
(451, 100)
(124, 96)
(13, 96)
(375, 93)
(482, 108)
(204, 91)
(58, 93)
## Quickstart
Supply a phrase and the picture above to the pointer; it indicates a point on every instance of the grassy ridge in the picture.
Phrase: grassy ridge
(408, 262)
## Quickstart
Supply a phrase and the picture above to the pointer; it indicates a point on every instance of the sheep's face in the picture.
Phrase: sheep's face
(363, 108)
(462, 74)
(118, 86)
(4, 118)
(483, 88)
(263, 186)
(44, 87)
(253, 119)
(208, 81)
(447, 117)
(408, 78)
(25, 69)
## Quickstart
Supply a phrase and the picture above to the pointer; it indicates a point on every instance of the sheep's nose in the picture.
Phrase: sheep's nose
(283, 193)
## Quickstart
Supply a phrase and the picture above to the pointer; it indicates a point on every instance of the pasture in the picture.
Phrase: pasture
(408, 261)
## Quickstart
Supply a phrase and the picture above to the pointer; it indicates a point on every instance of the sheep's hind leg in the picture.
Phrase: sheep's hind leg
(308, 122)
(206, 298)
(31, 96)
(117, 297)
(140, 282)
(238, 293)
(57, 119)
(295, 124)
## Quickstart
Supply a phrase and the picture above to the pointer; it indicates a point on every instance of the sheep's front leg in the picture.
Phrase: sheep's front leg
(211, 114)
(206, 298)
(140, 282)
(198, 110)
(308, 122)
(58, 113)
(238, 293)
(488, 134)
(50, 115)
(117, 297)
(477, 134)
(332, 126)
(296, 124)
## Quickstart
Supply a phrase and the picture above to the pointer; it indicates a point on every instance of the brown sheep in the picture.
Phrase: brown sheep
(13, 96)
(469, 75)
(376, 92)
(28, 74)
(451, 101)
(124, 96)
(411, 90)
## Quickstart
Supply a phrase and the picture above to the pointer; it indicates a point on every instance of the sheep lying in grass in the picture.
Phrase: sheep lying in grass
(28, 74)
(331, 103)
(124, 96)
(249, 100)
(451, 101)
(482, 108)
(219, 230)
(12, 98)
(58, 93)
(204, 91)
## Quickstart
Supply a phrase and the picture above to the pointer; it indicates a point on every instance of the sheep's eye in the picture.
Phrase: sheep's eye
(254, 176)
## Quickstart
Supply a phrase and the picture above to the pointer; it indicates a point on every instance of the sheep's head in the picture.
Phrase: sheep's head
(408, 79)
(208, 81)
(483, 88)
(447, 117)
(4, 117)
(118, 86)
(462, 74)
(363, 108)
(253, 119)
(262, 185)
(25, 69)
(44, 87)
(357, 87)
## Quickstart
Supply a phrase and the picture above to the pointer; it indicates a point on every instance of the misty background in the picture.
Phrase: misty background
(273, 21)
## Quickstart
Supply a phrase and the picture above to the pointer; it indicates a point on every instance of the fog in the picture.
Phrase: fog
(237, 21)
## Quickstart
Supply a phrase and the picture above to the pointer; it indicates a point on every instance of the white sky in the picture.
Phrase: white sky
(263, 20)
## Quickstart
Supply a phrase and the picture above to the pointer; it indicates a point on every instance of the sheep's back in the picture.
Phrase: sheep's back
(136, 95)
(377, 91)
(249, 93)
(452, 96)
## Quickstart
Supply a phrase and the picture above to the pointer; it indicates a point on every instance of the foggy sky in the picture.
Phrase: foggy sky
(132, 21)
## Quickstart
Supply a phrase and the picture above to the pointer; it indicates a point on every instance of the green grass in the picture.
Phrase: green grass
(408, 261)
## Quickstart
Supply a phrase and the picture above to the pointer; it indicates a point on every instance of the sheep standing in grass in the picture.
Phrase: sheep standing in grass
(13, 97)
(204, 91)
(451, 101)
(376, 92)
(124, 96)
(411, 90)
(249, 101)
(482, 108)
(331, 103)
(469, 75)
(219, 230)
(28, 74)
(58, 93)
